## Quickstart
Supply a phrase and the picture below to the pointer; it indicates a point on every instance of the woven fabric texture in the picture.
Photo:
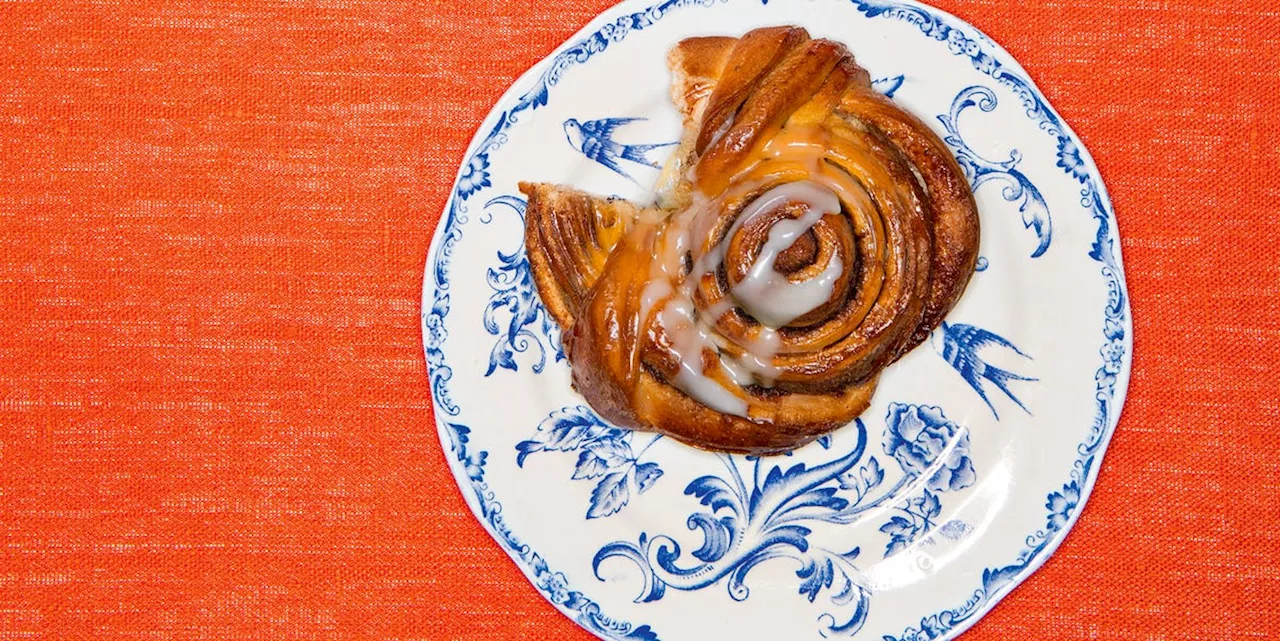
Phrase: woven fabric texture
(215, 421)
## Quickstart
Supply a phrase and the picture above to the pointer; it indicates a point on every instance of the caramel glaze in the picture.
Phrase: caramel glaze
(645, 297)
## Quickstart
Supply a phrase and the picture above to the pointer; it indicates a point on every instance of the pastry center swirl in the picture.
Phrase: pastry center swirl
(799, 219)
(774, 298)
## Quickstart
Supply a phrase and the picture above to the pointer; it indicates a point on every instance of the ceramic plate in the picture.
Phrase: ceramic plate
(979, 448)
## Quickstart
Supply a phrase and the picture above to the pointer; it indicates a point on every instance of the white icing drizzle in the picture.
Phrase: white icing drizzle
(655, 291)
(757, 362)
(768, 296)
(689, 338)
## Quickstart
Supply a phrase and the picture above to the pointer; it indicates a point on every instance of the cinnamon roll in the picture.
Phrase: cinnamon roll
(808, 232)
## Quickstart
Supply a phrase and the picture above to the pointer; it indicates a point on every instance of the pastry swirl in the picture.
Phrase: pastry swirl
(809, 233)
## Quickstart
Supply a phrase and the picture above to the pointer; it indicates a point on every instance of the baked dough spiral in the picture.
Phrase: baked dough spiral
(808, 233)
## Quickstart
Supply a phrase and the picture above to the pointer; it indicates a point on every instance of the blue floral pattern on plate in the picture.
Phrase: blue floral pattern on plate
(770, 516)
(1017, 187)
(528, 326)
(604, 455)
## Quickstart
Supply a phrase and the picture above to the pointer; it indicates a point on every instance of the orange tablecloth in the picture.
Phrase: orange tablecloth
(214, 414)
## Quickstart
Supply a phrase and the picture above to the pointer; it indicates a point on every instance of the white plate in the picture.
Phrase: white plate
(910, 523)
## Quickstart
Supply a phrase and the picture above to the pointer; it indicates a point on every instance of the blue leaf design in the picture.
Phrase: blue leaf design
(642, 633)
(571, 428)
(930, 506)
(859, 617)
(589, 466)
(774, 477)
(502, 358)
(867, 478)
(896, 544)
(796, 536)
(610, 495)
(896, 526)
(1102, 243)
(777, 476)
(824, 497)
(646, 475)
(717, 536)
(933, 627)
(474, 464)
(714, 492)
(524, 449)
(871, 473)
(604, 452)
(460, 435)
(816, 575)
(576, 601)
(994, 579)
(610, 448)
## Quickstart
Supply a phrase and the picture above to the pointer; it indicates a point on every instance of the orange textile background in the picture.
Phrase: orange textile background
(214, 413)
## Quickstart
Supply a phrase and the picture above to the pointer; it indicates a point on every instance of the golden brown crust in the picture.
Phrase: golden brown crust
(671, 412)
(954, 213)
(604, 348)
(568, 237)
(785, 87)
(750, 58)
(650, 299)
(696, 65)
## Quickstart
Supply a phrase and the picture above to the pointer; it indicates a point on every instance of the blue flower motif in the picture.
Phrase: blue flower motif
(918, 435)
(474, 464)
(1113, 355)
(556, 587)
(1062, 505)
(932, 627)
(1104, 379)
(1070, 160)
(435, 336)
(475, 176)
